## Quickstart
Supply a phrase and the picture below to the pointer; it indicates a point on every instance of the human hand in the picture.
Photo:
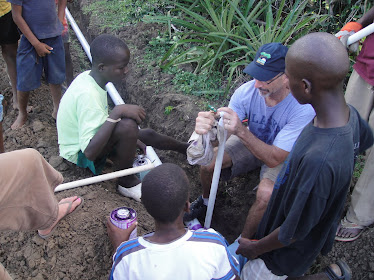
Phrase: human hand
(134, 112)
(118, 235)
(231, 120)
(141, 146)
(348, 30)
(204, 122)
(43, 49)
(248, 248)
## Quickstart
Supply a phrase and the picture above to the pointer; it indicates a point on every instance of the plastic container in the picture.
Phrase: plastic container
(123, 218)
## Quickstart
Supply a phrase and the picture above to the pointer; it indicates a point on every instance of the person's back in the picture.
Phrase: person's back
(172, 251)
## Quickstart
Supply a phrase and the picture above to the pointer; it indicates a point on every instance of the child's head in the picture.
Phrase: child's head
(316, 64)
(110, 57)
(165, 192)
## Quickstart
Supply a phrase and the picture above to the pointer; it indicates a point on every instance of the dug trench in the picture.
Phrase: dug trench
(80, 248)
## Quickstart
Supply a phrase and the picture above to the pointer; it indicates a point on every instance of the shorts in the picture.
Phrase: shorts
(244, 161)
(30, 66)
(8, 32)
(257, 270)
(96, 166)
(1, 107)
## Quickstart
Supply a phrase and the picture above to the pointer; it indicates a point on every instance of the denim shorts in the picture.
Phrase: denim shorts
(30, 66)
(1, 107)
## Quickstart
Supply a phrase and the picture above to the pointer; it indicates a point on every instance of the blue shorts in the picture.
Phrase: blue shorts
(1, 107)
(96, 166)
(30, 66)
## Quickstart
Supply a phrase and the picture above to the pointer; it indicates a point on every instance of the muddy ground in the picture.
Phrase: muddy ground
(80, 248)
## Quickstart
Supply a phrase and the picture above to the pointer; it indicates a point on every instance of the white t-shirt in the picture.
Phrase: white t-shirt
(279, 125)
(196, 255)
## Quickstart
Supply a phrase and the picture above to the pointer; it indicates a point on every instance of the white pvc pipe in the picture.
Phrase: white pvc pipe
(216, 175)
(360, 34)
(104, 177)
(112, 91)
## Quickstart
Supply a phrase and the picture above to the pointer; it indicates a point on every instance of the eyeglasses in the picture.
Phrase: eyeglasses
(273, 79)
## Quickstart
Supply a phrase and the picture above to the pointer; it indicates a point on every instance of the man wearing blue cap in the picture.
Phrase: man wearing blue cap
(275, 120)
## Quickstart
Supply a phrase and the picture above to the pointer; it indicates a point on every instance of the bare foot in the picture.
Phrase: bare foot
(63, 210)
(15, 102)
(20, 121)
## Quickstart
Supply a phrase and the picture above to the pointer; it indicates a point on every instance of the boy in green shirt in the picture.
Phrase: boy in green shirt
(87, 134)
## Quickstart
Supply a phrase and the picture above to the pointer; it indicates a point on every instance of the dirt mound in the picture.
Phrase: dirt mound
(80, 248)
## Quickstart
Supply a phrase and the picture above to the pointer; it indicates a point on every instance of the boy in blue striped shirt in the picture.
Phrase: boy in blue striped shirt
(172, 251)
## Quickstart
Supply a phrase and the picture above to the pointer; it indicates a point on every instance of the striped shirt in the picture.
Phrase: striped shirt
(196, 255)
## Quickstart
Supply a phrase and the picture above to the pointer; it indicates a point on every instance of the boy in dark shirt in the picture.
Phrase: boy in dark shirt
(308, 198)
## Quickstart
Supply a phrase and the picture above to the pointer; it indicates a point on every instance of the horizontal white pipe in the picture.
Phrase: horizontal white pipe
(360, 34)
(104, 177)
(112, 91)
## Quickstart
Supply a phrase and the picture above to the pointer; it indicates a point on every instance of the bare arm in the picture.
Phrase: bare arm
(103, 135)
(41, 48)
(269, 154)
(367, 18)
(251, 249)
(61, 9)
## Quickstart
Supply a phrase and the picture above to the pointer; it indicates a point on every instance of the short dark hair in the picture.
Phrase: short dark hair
(165, 192)
(104, 47)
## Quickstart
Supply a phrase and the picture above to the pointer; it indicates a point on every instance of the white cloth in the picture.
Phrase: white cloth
(197, 255)
(200, 150)
(257, 270)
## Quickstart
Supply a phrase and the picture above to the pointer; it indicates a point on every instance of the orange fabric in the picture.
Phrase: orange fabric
(352, 26)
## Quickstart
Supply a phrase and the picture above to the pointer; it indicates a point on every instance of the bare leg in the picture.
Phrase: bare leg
(123, 139)
(255, 213)
(23, 99)
(162, 142)
(56, 97)
(68, 64)
(9, 52)
(206, 172)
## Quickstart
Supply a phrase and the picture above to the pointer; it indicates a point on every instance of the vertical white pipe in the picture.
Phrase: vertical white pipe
(112, 91)
(216, 175)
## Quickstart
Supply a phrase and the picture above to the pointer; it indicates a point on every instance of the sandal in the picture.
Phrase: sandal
(67, 213)
(348, 231)
(344, 268)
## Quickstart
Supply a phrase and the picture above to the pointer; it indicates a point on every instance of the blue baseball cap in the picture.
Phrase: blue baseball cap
(269, 62)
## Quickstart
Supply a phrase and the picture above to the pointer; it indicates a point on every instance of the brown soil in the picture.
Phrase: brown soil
(80, 248)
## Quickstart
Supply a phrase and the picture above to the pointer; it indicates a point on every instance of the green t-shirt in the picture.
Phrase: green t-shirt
(83, 109)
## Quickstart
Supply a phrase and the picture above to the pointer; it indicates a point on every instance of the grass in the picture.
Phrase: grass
(204, 84)
(116, 14)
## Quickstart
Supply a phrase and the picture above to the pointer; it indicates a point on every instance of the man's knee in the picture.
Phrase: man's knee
(265, 189)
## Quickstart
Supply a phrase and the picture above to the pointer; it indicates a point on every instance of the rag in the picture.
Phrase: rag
(200, 150)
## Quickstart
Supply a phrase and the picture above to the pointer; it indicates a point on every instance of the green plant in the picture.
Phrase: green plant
(224, 35)
(168, 110)
(116, 14)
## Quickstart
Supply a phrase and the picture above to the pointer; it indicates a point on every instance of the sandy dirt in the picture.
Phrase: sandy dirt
(80, 248)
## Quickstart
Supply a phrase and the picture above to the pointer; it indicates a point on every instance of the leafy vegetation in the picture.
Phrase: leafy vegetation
(224, 35)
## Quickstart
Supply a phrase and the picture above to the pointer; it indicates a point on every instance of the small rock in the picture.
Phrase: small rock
(55, 161)
(371, 266)
(37, 240)
(38, 277)
(37, 126)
